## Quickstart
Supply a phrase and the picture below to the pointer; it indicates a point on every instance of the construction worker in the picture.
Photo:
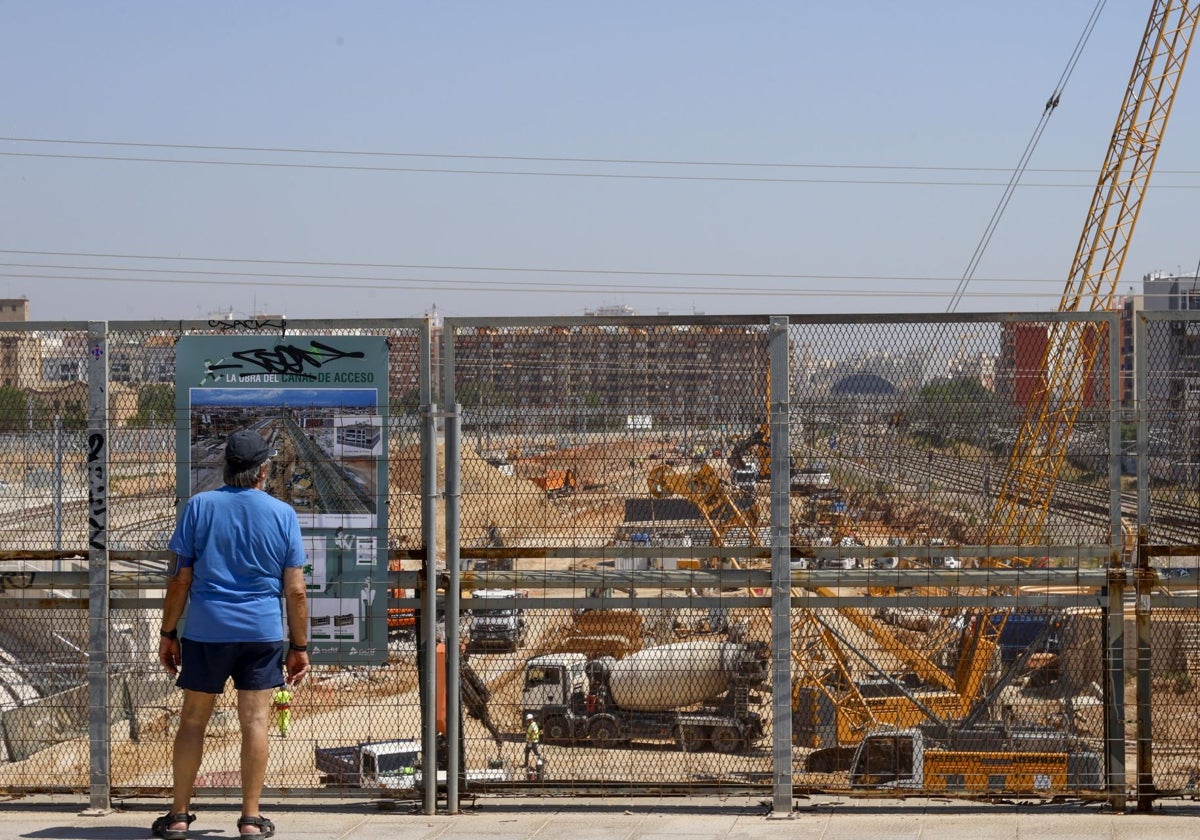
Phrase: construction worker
(281, 700)
(533, 735)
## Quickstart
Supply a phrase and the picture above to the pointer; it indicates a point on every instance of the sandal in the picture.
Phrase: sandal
(265, 826)
(162, 826)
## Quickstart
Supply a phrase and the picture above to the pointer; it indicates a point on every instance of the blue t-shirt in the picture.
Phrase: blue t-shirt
(237, 542)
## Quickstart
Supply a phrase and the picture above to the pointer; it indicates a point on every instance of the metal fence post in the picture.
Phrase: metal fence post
(99, 693)
(429, 593)
(1114, 687)
(781, 551)
(1145, 774)
(1114, 624)
(1145, 737)
(453, 460)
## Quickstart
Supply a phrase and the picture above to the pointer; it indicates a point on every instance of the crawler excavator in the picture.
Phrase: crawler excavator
(833, 709)
(752, 454)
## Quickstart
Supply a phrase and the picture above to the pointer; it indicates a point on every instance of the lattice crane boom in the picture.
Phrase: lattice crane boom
(1040, 450)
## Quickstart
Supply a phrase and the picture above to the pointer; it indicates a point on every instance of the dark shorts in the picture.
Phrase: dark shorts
(207, 666)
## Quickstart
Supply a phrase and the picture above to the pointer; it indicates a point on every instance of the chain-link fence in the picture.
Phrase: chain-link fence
(43, 507)
(1162, 435)
(622, 554)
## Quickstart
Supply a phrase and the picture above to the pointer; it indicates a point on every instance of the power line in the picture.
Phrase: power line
(513, 269)
(550, 159)
(441, 284)
(1023, 164)
(530, 173)
(731, 275)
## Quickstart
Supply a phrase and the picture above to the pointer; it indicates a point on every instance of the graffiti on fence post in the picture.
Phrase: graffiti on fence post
(97, 493)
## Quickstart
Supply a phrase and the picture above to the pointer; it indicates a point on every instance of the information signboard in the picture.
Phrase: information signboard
(321, 402)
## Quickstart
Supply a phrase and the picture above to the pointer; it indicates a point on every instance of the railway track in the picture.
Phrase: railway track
(1079, 512)
(33, 528)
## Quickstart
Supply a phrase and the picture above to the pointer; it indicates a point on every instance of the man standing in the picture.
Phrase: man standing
(237, 550)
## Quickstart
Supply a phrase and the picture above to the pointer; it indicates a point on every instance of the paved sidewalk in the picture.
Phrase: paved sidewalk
(822, 818)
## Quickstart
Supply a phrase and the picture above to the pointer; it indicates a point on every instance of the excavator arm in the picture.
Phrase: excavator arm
(704, 489)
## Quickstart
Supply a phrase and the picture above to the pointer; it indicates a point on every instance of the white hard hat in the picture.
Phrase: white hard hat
(529, 716)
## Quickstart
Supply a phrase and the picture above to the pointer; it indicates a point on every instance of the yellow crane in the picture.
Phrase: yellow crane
(1040, 449)
(1072, 347)
(832, 709)
(823, 678)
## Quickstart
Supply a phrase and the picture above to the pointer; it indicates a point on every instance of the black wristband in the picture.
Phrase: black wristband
(297, 648)
(169, 634)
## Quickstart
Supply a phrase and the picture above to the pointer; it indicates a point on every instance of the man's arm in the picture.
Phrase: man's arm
(296, 595)
(178, 586)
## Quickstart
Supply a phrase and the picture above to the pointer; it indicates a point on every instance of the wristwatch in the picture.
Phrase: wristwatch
(297, 648)
(169, 634)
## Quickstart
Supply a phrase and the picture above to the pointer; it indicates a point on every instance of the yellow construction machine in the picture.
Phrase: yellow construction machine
(722, 507)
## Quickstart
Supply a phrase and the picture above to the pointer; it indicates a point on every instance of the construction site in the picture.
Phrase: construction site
(933, 554)
(856, 669)
(628, 620)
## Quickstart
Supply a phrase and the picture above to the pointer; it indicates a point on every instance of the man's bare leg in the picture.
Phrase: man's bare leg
(189, 749)
(254, 714)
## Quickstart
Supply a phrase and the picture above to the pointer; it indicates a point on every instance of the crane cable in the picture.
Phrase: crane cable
(1022, 165)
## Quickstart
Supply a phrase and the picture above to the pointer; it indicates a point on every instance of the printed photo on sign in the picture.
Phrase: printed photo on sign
(357, 437)
(316, 573)
(329, 555)
(328, 443)
(335, 619)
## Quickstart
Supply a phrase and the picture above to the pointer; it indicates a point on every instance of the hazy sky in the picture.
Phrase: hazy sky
(822, 104)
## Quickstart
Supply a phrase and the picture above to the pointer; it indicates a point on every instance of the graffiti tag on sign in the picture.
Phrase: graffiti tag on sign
(247, 324)
(288, 361)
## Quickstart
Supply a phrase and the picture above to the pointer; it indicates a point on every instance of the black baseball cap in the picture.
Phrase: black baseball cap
(247, 448)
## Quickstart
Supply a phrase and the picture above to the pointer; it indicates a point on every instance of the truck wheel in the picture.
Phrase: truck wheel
(726, 739)
(691, 738)
(557, 729)
(603, 733)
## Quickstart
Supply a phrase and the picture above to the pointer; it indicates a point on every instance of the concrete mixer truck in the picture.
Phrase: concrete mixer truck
(696, 694)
